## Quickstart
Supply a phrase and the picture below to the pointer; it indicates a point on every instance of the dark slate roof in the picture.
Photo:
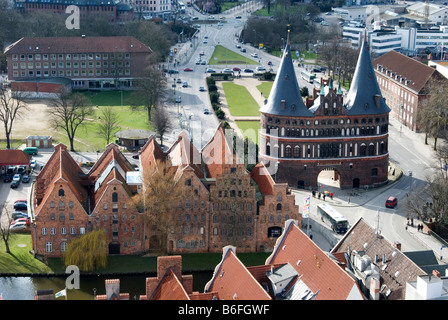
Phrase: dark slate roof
(364, 96)
(286, 88)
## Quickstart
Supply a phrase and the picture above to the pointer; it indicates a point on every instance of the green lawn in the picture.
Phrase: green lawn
(240, 101)
(265, 87)
(20, 260)
(87, 139)
(222, 55)
(250, 129)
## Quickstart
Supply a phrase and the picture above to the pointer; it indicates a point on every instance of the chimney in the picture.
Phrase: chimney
(166, 262)
(283, 104)
(436, 273)
(374, 288)
(397, 245)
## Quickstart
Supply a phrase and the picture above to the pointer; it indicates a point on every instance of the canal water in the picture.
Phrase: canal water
(25, 288)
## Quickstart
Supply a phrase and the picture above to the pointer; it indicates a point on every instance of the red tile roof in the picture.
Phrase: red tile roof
(183, 153)
(14, 158)
(261, 176)
(233, 281)
(47, 45)
(169, 288)
(216, 152)
(418, 73)
(316, 269)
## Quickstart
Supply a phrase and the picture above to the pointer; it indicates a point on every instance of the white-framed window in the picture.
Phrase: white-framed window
(44, 231)
(48, 246)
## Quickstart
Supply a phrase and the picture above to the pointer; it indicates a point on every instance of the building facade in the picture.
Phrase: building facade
(404, 84)
(224, 203)
(86, 62)
(349, 137)
(68, 202)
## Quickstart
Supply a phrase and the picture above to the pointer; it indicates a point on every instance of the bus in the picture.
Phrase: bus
(181, 7)
(308, 76)
(331, 216)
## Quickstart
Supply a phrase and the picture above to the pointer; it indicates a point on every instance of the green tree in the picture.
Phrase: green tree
(88, 252)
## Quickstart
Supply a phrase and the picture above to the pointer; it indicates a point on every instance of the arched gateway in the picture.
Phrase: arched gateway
(348, 134)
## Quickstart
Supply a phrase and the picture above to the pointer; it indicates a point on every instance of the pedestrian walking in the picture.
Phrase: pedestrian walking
(331, 195)
(324, 196)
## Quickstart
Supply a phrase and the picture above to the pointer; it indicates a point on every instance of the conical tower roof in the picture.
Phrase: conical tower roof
(364, 96)
(285, 98)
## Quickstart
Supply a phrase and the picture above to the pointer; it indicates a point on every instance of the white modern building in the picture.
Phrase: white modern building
(411, 41)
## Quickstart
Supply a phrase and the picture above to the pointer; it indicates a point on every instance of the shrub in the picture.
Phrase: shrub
(220, 114)
(214, 97)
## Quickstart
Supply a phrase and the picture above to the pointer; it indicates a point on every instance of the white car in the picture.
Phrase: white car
(18, 226)
(16, 177)
(260, 69)
(227, 70)
(255, 55)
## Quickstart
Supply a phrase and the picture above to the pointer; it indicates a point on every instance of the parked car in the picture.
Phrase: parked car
(21, 169)
(236, 69)
(210, 70)
(20, 206)
(21, 200)
(18, 226)
(201, 53)
(260, 69)
(255, 55)
(188, 69)
(203, 62)
(33, 164)
(201, 88)
(11, 170)
(179, 80)
(227, 70)
(172, 71)
(14, 184)
(16, 177)
(135, 156)
(178, 99)
(185, 84)
(243, 50)
(206, 111)
(391, 202)
(7, 178)
(18, 214)
(25, 178)
(205, 41)
(248, 70)
(13, 222)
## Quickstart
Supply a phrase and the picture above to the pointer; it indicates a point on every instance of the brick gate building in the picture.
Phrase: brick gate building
(349, 136)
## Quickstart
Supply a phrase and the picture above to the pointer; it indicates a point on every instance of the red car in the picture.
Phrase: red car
(236, 69)
(188, 69)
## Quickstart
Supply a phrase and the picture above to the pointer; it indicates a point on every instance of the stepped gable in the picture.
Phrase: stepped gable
(183, 154)
(364, 96)
(285, 98)
(321, 273)
(60, 166)
(233, 281)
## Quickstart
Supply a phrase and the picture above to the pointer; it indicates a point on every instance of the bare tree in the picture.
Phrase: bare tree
(69, 111)
(109, 124)
(432, 116)
(161, 122)
(161, 189)
(151, 90)
(5, 231)
(12, 105)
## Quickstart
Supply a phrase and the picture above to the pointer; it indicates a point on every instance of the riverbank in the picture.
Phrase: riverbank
(20, 262)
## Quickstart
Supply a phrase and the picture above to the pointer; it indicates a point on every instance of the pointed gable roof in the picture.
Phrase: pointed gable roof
(183, 153)
(169, 288)
(316, 269)
(232, 280)
(216, 153)
(364, 96)
(60, 166)
(150, 153)
(285, 98)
